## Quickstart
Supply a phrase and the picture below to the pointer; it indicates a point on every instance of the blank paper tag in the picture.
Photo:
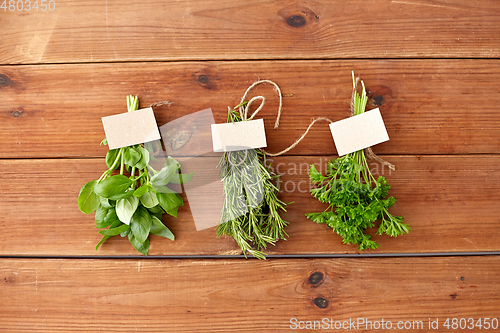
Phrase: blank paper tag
(238, 136)
(131, 128)
(359, 132)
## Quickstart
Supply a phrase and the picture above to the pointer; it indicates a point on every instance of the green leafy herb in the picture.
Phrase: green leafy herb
(132, 206)
(355, 198)
(251, 210)
(88, 200)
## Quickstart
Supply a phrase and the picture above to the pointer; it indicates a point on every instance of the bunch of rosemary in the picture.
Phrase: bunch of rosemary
(355, 198)
(251, 210)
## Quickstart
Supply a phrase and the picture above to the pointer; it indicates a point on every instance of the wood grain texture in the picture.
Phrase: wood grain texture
(96, 31)
(242, 296)
(429, 106)
(451, 203)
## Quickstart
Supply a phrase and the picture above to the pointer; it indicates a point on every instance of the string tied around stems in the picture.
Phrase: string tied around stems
(243, 109)
(368, 151)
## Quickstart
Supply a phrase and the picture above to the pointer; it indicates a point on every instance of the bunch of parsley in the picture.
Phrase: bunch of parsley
(132, 206)
(355, 198)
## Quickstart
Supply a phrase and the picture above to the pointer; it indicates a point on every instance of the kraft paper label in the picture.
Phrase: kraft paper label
(359, 132)
(130, 128)
(238, 136)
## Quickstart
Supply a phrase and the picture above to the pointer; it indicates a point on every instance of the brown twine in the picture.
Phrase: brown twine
(244, 111)
(161, 103)
(244, 116)
(244, 108)
(293, 145)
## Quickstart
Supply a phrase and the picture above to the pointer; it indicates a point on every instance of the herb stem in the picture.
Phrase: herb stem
(122, 163)
(132, 174)
(117, 160)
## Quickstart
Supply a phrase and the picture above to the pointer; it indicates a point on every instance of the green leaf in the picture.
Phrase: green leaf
(100, 214)
(149, 199)
(109, 219)
(163, 177)
(125, 233)
(171, 161)
(141, 224)
(162, 189)
(104, 238)
(169, 201)
(317, 217)
(115, 231)
(156, 210)
(181, 178)
(315, 176)
(104, 142)
(114, 187)
(125, 208)
(127, 194)
(141, 247)
(106, 203)
(132, 156)
(88, 200)
(111, 156)
(141, 190)
(159, 229)
(173, 211)
(144, 158)
(389, 202)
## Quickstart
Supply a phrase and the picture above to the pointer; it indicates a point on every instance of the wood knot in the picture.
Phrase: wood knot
(205, 81)
(378, 100)
(180, 140)
(321, 302)
(5, 81)
(296, 21)
(17, 114)
(299, 16)
(202, 79)
(378, 96)
(316, 278)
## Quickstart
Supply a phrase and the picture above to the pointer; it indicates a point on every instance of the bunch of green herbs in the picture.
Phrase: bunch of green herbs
(251, 209)
(132, 206)
(355, 198)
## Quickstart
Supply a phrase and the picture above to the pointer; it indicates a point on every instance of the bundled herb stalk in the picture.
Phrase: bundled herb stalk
(355, 198)
(251, 210)
(133, 205)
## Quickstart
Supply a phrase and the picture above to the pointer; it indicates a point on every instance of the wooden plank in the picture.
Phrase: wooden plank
(451, 203)
(429, 106)
(96, 31)
(244, 296)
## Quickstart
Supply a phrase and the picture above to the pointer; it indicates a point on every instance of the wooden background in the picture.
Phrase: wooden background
(431, 66)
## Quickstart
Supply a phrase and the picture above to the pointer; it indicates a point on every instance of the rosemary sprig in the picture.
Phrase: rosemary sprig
(251, 210)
